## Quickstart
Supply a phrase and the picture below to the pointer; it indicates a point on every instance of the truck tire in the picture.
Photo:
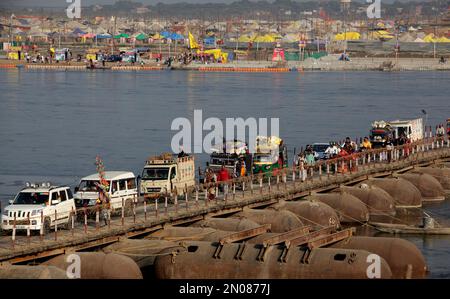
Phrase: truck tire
(68, 224)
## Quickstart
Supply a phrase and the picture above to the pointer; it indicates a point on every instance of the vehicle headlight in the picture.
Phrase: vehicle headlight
(35, 212)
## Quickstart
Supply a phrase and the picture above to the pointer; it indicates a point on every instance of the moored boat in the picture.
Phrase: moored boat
(409, 229)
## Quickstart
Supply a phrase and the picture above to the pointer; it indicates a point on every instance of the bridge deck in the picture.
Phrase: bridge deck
(25, 248)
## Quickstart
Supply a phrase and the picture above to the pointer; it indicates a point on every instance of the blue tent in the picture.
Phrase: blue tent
(78, 31)
(210, 41)
(176, 36)
(165, 34)
(100, 36)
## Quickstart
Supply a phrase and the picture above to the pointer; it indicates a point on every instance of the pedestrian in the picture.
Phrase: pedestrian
(243, 168)
(301, 162)
(366, 144)
(440, 132)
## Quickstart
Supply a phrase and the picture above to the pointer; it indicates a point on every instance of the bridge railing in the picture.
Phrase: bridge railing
(209, 194)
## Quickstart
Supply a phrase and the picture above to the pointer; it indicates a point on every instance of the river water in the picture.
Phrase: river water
(54, 123)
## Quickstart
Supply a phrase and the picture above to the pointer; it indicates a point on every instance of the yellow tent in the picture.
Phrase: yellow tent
(245, 39)
(217, 54)
(224, 56)
(264, 39)
(348, 36)
(275, 36)
(429, 38)
(15, 55)
(192, 42)
(443, 40)
(156, 36)
(240, 52)
(383, 34)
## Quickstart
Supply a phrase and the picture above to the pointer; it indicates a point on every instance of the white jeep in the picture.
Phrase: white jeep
(121, 190)
(39, 205)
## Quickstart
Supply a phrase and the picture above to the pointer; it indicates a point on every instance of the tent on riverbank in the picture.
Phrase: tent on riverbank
(217, 53)
(141, 36)
(348, 36)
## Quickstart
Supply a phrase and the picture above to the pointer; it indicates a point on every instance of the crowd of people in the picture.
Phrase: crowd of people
(309, 157)
(187, 58)
(211, 176)
(48, 57)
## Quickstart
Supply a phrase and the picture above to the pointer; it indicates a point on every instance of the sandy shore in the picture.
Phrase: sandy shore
(331, 63)
(328, 63)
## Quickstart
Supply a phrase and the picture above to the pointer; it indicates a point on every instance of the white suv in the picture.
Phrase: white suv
(36, 202)
(121, 187)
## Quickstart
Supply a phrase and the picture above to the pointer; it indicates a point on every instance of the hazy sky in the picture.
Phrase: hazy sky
(57, 3)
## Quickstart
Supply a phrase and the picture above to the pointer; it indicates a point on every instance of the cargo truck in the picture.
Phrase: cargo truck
(164, 173)
(412, 129)
(383, 132)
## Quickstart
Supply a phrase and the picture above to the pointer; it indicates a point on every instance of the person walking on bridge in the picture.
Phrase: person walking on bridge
(366, 144)
(440, 132)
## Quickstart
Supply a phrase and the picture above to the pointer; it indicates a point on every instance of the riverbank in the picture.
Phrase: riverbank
(328, 63)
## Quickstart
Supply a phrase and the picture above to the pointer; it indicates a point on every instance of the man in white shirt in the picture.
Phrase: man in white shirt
(332, 150)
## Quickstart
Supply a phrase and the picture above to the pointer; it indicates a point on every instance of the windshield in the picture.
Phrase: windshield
(155, 173)
(320, 147)
(378, 137)
(88, 186)
(264, 158)
(222, 161)
(31, 198)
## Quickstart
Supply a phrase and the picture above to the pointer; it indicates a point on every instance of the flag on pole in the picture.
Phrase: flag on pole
(192, 42)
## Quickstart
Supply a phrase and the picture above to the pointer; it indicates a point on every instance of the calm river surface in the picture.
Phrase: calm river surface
(54, 123)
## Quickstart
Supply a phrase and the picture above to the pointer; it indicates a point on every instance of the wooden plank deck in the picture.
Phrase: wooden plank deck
(27, 249)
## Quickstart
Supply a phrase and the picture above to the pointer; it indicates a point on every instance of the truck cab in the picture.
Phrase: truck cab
(165, 173)
(35, 205)
(230, 155)
(380, 134)
(271, 155)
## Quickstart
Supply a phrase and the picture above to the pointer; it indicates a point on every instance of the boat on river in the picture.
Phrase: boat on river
(409, 229)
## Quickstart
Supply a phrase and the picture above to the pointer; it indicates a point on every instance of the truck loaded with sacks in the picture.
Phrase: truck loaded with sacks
(167, 173)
